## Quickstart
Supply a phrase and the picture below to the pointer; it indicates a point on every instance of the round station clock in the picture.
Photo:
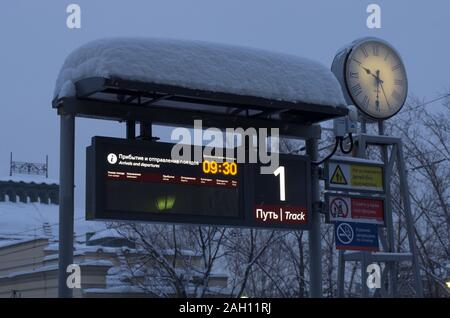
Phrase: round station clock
(373, 77)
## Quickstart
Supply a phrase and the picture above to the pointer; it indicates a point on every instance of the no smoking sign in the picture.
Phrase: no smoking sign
(356, 236)
(344, 233)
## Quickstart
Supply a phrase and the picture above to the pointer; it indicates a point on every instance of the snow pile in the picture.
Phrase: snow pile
(204, 66)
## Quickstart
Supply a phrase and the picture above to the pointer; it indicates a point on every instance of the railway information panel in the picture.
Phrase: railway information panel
(138, 180)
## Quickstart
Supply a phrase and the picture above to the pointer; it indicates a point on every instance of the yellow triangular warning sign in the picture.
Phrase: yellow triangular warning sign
(338, 176)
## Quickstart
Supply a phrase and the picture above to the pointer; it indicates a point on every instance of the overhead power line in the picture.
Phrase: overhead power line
(39, 228)
(427, 103)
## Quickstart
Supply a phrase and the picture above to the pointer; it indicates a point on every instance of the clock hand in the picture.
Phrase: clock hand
(377, 102)
(384, 93)
(369, 72)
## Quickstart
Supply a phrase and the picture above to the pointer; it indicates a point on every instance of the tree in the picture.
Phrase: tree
(170, 260)
(426, 138)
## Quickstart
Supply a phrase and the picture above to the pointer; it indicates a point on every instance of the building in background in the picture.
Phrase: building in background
(29, 215)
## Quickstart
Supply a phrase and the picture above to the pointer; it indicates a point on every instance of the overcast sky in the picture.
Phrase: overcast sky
(35, 41)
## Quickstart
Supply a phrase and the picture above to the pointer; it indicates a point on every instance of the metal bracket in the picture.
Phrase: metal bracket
(321, 173)
(319, 206)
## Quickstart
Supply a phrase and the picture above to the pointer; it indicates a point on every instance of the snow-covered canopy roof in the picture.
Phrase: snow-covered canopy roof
(203, 66)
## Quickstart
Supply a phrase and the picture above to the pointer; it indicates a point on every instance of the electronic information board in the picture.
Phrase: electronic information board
(135, 180)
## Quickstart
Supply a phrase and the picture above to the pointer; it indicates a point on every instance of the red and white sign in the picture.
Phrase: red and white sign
(371, 209)
(357, 209)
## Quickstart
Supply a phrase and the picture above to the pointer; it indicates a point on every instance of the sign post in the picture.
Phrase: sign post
(173, 106)
(66, 202)
(356, 216)
(314, 234)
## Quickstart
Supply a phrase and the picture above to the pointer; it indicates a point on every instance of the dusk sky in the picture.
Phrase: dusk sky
(35, 41)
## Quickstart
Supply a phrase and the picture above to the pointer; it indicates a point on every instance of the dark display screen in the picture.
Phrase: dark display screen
(170, 189)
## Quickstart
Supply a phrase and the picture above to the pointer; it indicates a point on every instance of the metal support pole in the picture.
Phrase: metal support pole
(363, 125)
(66, 201)
(361, 153)
(364, 264)
(146, 131)
(131, 129)
(388, 213)
(404, 188)
(46, 166)
(341, 274)
(314, 234)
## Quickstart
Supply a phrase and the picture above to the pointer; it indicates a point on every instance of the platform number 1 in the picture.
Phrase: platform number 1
(281, 172)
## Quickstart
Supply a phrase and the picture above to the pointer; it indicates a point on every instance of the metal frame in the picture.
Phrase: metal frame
(148, 103)
(121, 100)
(151, 96)
(387, 243)
(176, 117)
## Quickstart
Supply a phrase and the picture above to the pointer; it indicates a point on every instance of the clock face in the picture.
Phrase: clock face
(376, 79)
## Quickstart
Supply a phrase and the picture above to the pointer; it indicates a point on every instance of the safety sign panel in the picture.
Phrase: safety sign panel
(354, 174)
(338, 176)
(356, 236)
(354, 208)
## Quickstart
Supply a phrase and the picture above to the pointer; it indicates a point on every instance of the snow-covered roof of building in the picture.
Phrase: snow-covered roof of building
(30, 220)
(106, 234)
(30, 179)
(14, 242)
(204, 66)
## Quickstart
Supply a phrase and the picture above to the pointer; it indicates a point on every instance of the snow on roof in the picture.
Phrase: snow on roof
(30, 179)
(204, 66)
(127, 289)
(120, 289)
(47, 268)
(82, 249)
(15, 242)
(25, 220)
(106, 234)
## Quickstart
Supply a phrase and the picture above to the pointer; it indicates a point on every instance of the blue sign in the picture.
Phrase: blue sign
(356, 236)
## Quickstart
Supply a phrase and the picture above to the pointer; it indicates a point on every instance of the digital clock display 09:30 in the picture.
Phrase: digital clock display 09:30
(225, 168)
